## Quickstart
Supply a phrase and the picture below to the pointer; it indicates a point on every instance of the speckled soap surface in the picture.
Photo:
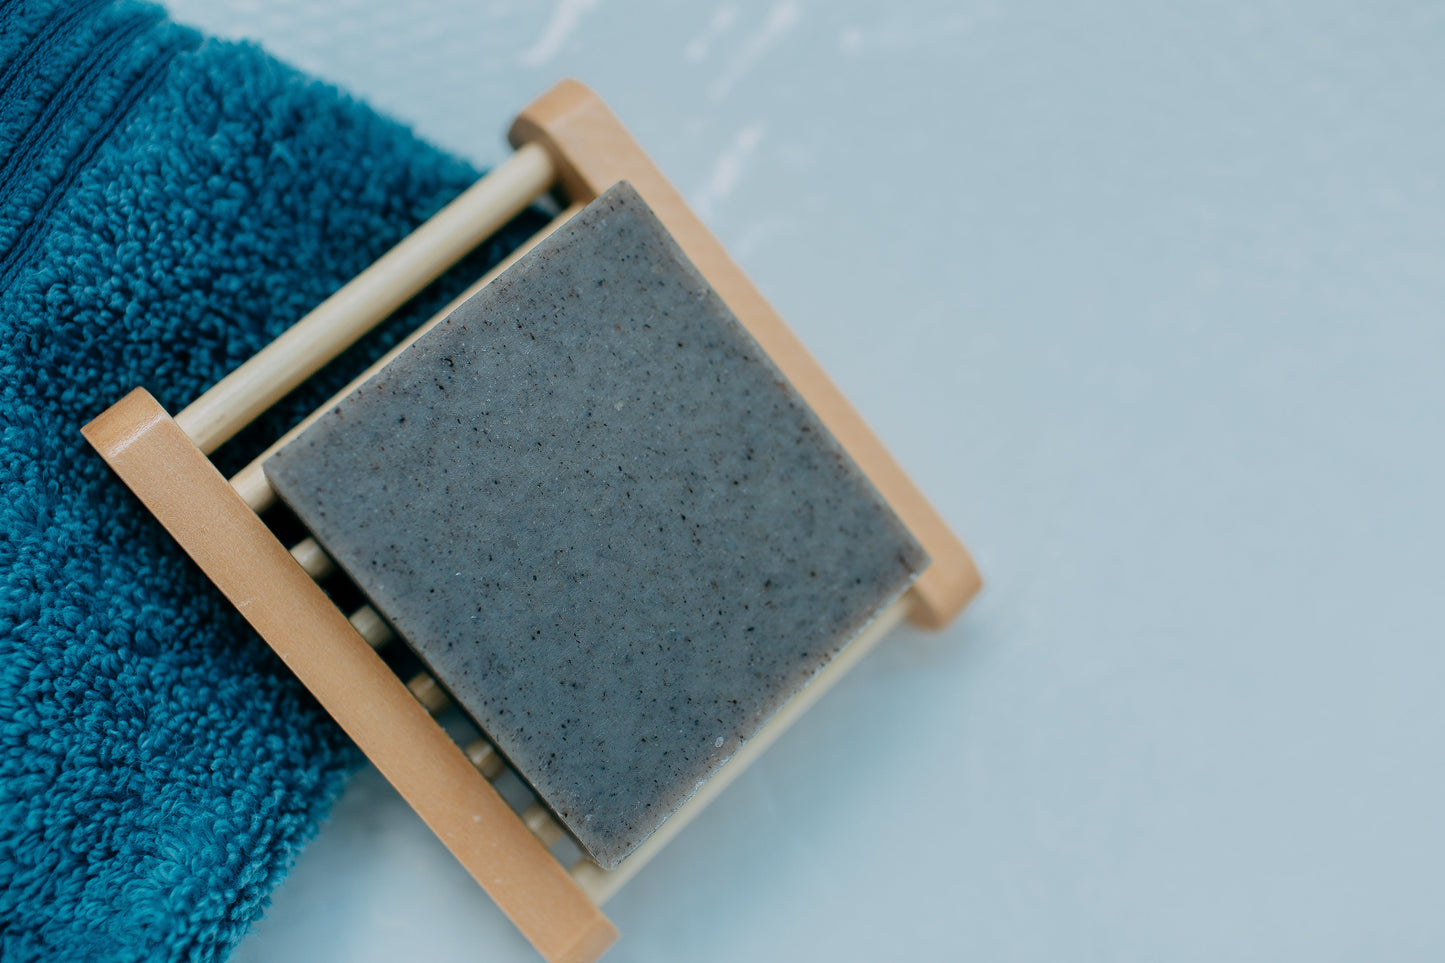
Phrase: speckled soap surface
(603, 519)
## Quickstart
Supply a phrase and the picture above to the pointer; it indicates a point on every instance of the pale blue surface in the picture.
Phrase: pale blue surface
(1149, 300)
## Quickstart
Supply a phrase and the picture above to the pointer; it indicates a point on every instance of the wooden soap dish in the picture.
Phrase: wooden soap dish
(569, 141)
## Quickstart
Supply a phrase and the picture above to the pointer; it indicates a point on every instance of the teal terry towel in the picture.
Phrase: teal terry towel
(168, 204)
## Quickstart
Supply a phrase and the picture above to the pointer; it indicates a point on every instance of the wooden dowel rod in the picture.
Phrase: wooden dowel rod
(540, 821)
(485, 757)
(431, 695)
(315, 562)
(362, 303)
(371, 626)
(250, 482)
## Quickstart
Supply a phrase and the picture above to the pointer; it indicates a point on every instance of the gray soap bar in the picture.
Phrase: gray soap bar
(603, 519)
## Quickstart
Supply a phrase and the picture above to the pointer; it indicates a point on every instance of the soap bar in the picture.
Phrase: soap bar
(603, 519)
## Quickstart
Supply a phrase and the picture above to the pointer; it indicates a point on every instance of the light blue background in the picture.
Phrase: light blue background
(1148, 298)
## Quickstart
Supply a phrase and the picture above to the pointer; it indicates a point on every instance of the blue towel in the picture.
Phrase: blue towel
(168, 204)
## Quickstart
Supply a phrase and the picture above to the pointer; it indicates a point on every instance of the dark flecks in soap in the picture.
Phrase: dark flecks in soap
(603, 519)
